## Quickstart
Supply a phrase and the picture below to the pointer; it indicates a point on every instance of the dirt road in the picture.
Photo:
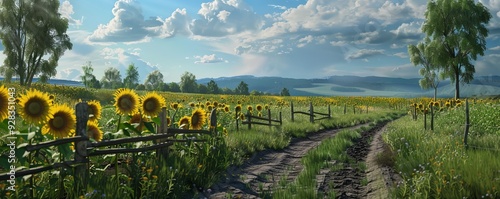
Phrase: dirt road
(266, 168)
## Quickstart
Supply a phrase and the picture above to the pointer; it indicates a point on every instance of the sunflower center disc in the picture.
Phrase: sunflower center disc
(126, 103)
(58, 122)
(34, 108)
(150, 105)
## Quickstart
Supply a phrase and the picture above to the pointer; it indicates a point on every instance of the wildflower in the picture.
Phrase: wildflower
(198, 118)
(93, 131)
(126, 101)
(152, 104)
(35, 107)
(184, 122)
(61, 123)
(4, 103)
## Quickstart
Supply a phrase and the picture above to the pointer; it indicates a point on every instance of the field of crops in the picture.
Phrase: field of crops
(444, 167)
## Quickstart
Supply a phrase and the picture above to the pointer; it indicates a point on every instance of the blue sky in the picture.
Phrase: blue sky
(220, 38)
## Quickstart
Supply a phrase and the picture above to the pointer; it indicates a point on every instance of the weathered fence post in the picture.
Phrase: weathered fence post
(237, 119)
(354, 108)
(432, 117)
(311, 112)
(366, 108)
(329, 111)
(415, 112)
(81, 156)
(163, 152)
(467, 123)
(249, 120)
(213, 120)
(291, 106)
(345, 108)
(425, 120)
(269, 116)
(281, 120)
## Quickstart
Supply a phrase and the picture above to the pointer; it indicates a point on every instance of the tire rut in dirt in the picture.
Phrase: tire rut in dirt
(257, 177)
(347, 181)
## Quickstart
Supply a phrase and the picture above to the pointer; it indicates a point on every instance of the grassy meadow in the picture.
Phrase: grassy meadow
(192, 167)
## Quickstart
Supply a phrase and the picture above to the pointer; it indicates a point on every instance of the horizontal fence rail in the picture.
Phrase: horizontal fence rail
(265, 121)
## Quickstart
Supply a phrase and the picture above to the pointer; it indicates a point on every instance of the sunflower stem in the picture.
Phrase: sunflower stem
(116, 156)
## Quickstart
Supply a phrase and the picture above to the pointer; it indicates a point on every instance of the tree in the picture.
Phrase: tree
(132, 77)
(212, 87)
(154, 81)
(112, 78)
(285, 92)
(188, 83)
(457, 30)
(88, 75)
(422, 54)
(242, 89)
(227, 91)
(202, 88)
(174, 87)
(34, 36)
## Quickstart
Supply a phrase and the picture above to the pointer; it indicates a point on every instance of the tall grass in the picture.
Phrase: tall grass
(436, 164)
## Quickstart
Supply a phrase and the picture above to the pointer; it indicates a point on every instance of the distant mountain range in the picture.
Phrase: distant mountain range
(359, 86)
(347, 86)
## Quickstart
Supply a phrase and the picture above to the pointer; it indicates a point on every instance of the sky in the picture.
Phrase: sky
(222, 38)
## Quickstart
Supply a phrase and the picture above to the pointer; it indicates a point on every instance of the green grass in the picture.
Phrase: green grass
(436, 164)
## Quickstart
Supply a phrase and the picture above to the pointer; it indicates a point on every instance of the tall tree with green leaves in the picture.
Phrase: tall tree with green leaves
(154, 81)
(457, 30)
(112, 78)
(422, 54)
(213, 88)
(242, 89)
(131, 77)
(87, 76)
(34, 36)
(285, 92)
(188, 83)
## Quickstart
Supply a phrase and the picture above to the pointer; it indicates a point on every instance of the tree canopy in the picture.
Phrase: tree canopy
(112, 78)
(154, 81)
(457, 30)
(131, 77)
(188, 83)
(34, 36)
(422, 54)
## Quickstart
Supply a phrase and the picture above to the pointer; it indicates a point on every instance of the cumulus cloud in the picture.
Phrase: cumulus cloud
(208, 59)
(69, 74)
(127, 25)
(66, 11)
(401, 55)
(365, 53)
(277, 6)
(178, 22)
(495, 48)
(225, 17)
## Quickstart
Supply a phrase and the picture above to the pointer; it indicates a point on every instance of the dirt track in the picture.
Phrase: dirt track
(265, 169)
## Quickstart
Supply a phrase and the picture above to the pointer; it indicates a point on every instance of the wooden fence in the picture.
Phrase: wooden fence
(312, 114)
(84, 149)
(266, 121)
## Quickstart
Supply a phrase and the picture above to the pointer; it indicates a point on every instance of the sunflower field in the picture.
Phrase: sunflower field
(46, 113)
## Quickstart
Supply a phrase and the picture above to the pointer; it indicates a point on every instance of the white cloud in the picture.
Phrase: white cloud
(365, 53)
(207, 59)
(66, 10)
(69, 74)
(277, 6)
(401, 55)
(127, 25)
(225, 17)
(178, 22)
(495, 48)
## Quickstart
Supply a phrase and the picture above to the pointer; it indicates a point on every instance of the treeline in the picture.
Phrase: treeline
(112, 79)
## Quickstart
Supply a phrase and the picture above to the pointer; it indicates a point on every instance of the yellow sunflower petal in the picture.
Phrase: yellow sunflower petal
(126, 101)
(35, 107)
(61, 123)
(152, 104)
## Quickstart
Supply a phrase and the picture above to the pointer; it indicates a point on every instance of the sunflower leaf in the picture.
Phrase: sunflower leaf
(125, 132)
(4, 126)
(150, 127)
(65, 151)
(131, 127)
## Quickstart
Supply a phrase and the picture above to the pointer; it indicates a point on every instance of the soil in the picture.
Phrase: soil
(257, 176)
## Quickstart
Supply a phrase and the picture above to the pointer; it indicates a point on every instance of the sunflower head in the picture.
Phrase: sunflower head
(238, 108)
(259, 107)
(152, 104)
(126, 101)
(198, 118)
(35, 107)
(94, 109)
(226, 108)
(61, 123)
(4, 103)
(93, 131)
(184, 122)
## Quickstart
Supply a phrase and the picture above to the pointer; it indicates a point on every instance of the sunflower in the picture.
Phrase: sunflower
(35, 107)
(126, 101)
(198, 118)
(238, 108)
(4, 103)
(61, 123)
(184, 122)
(259, 107)
(94, 110)
(226, 108)
(93, 131)
(175, 106)
(152, 104)
(137, 118)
